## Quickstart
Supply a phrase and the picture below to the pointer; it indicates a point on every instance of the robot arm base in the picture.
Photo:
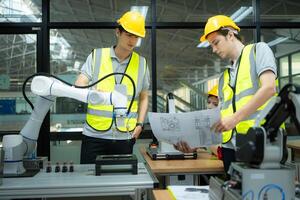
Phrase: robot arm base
(14, 148)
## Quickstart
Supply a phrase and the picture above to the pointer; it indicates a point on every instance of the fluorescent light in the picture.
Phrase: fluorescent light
(203, 44)
(244, 14)
(238, 12)
(277, 41)
(241, 13)
(143, 10)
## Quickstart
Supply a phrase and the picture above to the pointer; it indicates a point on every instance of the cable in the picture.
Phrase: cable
(271, 186)
(129, 117)
(115, 73)
(38, 74)
(88, 86)
(249, 192)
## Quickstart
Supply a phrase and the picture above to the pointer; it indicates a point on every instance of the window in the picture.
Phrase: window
(200, 11)
(20, 11)
(283, 11)
(18, 61)
(284, 43)
(296, 68)
(93, 10)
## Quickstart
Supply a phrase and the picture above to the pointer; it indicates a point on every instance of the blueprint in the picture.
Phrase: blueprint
(191, 127)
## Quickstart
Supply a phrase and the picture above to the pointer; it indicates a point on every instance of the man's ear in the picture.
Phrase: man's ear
(117, 32)
(230, 35)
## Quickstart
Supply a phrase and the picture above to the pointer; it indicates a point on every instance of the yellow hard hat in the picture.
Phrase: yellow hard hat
(133, 22)
(213, 91)
(215, 23)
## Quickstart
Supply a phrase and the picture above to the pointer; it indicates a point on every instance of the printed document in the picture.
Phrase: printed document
(191, 127)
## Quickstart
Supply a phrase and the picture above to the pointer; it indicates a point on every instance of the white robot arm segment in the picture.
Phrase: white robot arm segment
(45, 86)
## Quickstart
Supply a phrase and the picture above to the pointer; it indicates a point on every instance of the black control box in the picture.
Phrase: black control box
(123, 163)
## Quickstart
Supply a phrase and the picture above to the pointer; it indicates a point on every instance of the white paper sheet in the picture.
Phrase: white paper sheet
(189, 192)
(191, 127)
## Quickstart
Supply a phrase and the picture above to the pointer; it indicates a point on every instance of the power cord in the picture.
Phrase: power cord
(268, 187)
(250, 192)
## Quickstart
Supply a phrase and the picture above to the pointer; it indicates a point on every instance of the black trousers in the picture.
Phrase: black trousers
(228, 157)
(91, 147)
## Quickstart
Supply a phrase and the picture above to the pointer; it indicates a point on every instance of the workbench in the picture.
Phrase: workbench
(80, 183)
(204, 164)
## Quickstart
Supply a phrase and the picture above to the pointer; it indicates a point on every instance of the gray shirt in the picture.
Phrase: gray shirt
(265, 61)
(117, 67)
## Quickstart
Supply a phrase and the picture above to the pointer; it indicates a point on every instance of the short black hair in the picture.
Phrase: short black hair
(121, 29)
(211, 95)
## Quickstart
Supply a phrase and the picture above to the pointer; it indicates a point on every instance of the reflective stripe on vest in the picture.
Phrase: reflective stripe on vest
(246, 85)
(100, 117)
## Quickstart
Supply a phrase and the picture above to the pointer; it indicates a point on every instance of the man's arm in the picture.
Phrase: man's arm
(142, 111)
(86, 72)
(263, 94)
(143, 106)
(82, 80)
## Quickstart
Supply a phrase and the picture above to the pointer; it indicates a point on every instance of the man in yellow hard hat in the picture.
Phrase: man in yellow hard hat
(245, 87)
(212, 98)
(101, 135)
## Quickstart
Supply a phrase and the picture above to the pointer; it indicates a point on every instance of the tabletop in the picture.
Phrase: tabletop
(204, 164)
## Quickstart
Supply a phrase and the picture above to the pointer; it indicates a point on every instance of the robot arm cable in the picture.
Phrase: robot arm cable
(88, 86)
(111, 74)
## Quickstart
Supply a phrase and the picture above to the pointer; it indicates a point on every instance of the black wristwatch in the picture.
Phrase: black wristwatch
(141, 124)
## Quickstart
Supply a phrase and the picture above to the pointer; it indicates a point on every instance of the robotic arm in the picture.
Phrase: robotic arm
(24, 144)
(265, 146)
(44, 86)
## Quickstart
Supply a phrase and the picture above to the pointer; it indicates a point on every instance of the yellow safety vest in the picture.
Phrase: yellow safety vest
(246, 85)
(100, 117)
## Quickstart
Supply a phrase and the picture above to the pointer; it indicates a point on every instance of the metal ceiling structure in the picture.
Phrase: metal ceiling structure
(176, 52)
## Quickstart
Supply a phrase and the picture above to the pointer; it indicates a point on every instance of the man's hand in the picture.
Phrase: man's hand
(184, 147)
(225, 124)
(136, 132)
